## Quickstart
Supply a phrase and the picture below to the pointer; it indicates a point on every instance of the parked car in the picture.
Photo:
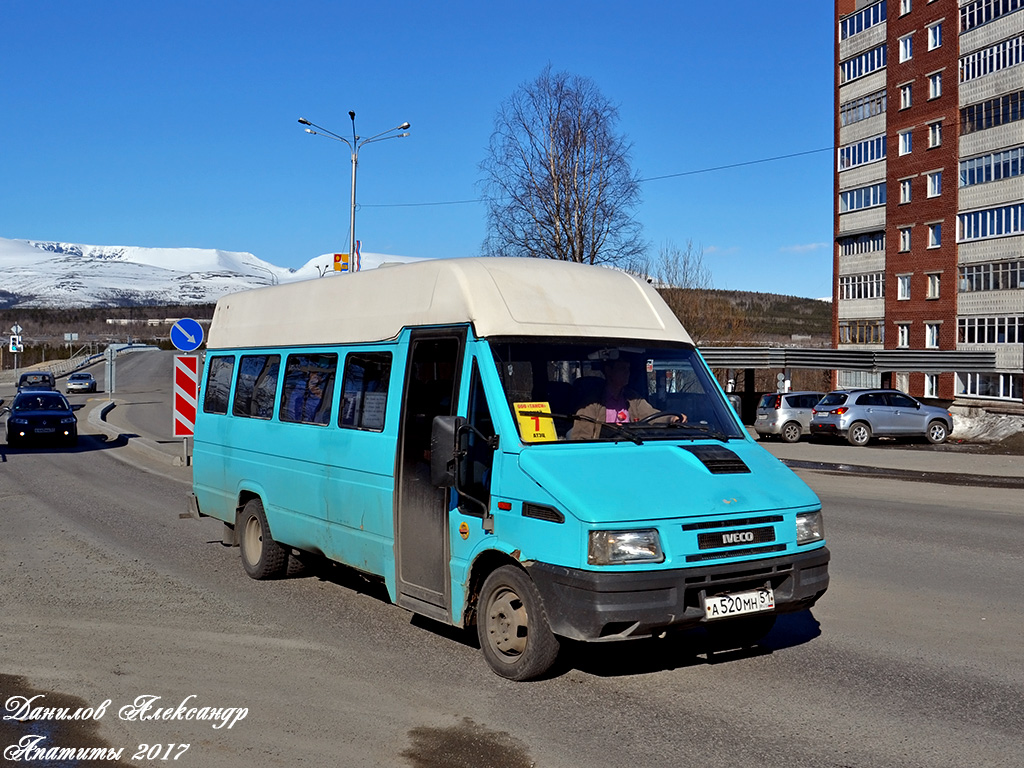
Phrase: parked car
(80, 382)
(786, 414)
(860, 414)
(37, 380)
(44, 416)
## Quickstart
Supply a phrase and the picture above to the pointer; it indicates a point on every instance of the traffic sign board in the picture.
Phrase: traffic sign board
(186, 394)
(187, 334)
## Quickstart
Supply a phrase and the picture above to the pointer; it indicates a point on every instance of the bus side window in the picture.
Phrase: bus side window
(364, 390)
(256, 386)
(308, 388)
(218, 384)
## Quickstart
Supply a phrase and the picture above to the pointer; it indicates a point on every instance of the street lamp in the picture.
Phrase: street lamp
(354, 146)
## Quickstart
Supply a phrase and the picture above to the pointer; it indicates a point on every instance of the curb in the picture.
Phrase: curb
(98, 418)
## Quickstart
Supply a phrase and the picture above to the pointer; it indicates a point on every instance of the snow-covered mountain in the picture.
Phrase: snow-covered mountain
(46, 274)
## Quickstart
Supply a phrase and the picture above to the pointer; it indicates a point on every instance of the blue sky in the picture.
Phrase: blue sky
(175, 124)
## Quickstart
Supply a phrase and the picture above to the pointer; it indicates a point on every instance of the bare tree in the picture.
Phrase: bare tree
(557, 179)
(686, 284)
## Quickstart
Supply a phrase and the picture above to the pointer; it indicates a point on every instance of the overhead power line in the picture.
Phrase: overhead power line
(650, 178)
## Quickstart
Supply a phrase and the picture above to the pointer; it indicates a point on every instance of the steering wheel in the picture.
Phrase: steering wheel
(660, 414)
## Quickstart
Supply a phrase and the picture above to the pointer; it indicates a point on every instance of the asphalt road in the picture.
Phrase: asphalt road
(913, 658)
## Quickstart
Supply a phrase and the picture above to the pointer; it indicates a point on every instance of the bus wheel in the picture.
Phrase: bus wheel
(514, 633)
(262, 557)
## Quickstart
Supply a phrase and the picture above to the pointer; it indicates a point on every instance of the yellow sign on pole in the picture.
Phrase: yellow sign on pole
(341, 262)
(535, 422)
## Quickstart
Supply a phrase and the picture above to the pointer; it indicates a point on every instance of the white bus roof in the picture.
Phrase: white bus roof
(499, 296)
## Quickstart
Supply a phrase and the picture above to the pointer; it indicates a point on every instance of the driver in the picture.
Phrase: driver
(618, 404)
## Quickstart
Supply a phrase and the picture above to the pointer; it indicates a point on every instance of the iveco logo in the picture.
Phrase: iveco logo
(737, 538)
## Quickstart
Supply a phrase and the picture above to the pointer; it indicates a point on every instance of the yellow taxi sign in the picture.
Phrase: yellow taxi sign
(535, 422)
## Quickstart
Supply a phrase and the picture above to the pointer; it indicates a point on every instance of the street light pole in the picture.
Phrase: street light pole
(354, 146)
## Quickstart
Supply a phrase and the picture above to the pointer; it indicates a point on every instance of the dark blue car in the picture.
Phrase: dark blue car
(41, 416)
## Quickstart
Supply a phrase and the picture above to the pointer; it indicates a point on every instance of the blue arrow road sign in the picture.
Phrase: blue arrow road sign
(187, 334)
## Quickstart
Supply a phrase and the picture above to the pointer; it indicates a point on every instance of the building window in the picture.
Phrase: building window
(862, 197)
(861, 153)
(866, 286)
(905, 96)
(934, 183)
(992, 222)
(1007, 329)
(856, 110)
(934, 282)
(995, 58)
(904, 190)
(983, 11)
(934, 235)
(864, 64)
(862, 20)
(934, 36)
(1005, 386)
(851, 246)
(992, 276)
(902, 335)
(861, 332)
(906, 48)
(906, 142)
(993, 167)
(931, 385)
(934, 135)
(992, 113)
(904, 7)
(904, 239)
(903, 287)
(931, 335)
(935, 85)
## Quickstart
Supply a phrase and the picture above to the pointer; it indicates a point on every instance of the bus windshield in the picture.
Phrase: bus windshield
(611, 391)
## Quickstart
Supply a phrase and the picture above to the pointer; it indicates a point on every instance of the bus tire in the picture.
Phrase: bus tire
(515, 636)
(262, 557)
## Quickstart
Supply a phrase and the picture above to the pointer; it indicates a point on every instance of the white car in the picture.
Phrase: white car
(80, 382)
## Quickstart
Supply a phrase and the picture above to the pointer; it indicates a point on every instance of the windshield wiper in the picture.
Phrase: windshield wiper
(615, 428)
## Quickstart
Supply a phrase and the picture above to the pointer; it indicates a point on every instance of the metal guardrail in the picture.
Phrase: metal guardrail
(62, 367)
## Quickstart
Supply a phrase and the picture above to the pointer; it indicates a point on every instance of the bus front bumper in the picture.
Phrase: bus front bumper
(619, 605)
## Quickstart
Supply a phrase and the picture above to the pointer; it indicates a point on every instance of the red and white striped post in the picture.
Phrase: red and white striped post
(186, 394)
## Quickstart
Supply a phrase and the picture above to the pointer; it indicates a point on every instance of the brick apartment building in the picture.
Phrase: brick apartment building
(929, 189)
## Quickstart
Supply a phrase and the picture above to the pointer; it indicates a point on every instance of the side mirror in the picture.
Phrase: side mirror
(444, 449)
(75, 406)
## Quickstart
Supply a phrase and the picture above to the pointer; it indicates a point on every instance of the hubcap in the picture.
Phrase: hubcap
(253, 537)
(507, 623)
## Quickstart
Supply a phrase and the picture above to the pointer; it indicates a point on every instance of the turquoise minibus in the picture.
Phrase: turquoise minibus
(531, 447)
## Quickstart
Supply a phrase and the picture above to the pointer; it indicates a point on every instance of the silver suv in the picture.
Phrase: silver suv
(860, 414)
(786, 414)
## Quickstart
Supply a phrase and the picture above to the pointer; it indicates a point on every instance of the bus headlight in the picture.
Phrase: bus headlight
(809, 527)
(614, 547)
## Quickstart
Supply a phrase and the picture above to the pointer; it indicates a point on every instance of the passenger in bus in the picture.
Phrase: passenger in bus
(617, 404)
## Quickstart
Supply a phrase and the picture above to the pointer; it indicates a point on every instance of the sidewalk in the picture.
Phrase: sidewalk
(889, 459)
(167, 455)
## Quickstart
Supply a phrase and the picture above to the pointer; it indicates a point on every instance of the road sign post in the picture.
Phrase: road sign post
(110, 358)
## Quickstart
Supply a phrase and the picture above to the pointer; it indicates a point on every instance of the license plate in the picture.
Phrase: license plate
(762, 417)
(45, 429)
(739, 603)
